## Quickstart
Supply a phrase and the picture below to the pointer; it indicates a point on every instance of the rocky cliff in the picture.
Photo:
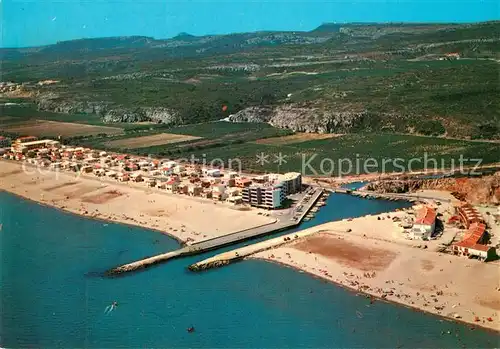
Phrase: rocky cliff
(295, 117)
(484, 190)
(107, 111)
(301, 118)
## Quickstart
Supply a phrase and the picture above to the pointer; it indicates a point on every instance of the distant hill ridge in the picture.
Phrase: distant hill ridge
(339, 77)
(325, 28)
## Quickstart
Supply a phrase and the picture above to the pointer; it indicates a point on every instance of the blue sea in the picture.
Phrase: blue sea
(53, 295)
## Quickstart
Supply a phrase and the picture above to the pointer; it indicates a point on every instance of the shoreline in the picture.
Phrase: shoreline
(183, 218)
(372, 255)
(471, 325)
(96, 218)
(399, 271)
(53, 193)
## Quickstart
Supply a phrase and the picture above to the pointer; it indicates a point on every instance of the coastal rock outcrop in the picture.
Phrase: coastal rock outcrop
(301, 118)
(304, 119)
(484, 190)
(109, 112)
(252, 114)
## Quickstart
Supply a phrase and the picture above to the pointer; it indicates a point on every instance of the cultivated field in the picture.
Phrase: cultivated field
(353, 149)
(6, 118)
(148, 141)
(56, 128)
(296, 138)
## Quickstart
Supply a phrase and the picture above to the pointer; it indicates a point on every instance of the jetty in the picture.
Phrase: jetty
(226, 258)
(293, 219)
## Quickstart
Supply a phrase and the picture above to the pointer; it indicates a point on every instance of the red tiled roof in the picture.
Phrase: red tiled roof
(473, 236)
(480, 247)
(426, 216)
(469, 214)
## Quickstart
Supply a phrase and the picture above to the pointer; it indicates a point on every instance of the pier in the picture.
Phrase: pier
(294, 218)
(226, 258)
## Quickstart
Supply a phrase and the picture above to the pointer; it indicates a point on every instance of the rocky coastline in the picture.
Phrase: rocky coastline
(483, 190)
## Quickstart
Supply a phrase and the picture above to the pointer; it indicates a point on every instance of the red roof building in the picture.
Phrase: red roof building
(243, 182)
(122, 157)
(472, 243)
(426, 216)
(469, 215)
(424, 224)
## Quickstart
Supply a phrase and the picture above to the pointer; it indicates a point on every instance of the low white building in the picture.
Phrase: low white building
(179, 169)
(213, 173)
(169, 163)
(221, 188)
(234, 199)
(99, 172)
(261, 179)
(167, 171)
(171, 186)
(123, 177)
(136, 177)
(151, 182)
(232, 175)
(143, 163)
(111, 174)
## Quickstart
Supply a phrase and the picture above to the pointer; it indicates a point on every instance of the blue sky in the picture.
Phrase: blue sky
(40, 22)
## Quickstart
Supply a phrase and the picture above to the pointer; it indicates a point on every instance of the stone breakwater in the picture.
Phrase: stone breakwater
(211, 265)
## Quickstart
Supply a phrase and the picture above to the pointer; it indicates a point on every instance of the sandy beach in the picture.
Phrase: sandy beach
(371, 259)
(188, 219)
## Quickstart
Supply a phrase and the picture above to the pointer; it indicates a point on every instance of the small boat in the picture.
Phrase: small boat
(190, 329)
